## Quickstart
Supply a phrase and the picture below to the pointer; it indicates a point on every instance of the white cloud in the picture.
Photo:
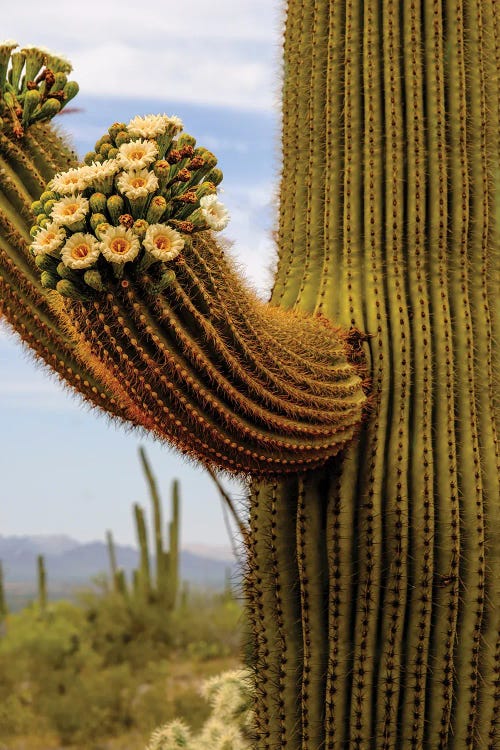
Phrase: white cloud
(200, 52)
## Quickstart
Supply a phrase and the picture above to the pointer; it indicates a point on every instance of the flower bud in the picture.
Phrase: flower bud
(48, 280)
(116, 128)
(140, 228)
(122, 137)
(93, 279)
(67, 288)
(60, 81)
(37, 208)
(97, 203)
(31, 102)
(116, 206)
(156, 209)
(48, 195)
(70, 90)
(96, 220)
(46, 262)
(49, 109)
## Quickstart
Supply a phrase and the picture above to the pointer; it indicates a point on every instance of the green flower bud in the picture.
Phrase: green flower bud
(215, 176)
(46, 262)
(89, 157)
(48, 207)
(112, 153)
(68, 288)
(206, 188)
(156, 209)
(97, 203)
(60, 81)
(34, 230)
(99, 158)
(101, 229)
(116, 207)
(122, 137)
(96, 220)
(49, 280)
(116, 128)
(42, 220)
(94, 280)
(31, 102)
(37, 208)
(140, 228)
(70, 90)
(105, 149)
(209, 158)
(157, 287)
(66, 273)
(185, 140)
(48, 195)
(104, 139)
(49, 109)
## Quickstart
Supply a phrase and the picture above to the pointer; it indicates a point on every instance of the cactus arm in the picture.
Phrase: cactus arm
(42, 583)
(173, 546)
(144, 571)
(157, 521)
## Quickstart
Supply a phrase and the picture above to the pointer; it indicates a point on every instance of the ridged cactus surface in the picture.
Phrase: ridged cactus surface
(373, 576)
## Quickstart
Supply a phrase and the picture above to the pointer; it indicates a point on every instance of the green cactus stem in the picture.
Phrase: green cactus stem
(42, 583)
(144, 572)
(374, 545)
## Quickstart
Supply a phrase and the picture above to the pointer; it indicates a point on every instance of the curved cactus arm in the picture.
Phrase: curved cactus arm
(31, 152)
(189, 354)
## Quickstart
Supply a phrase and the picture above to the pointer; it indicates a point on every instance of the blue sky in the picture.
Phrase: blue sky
(63, 468)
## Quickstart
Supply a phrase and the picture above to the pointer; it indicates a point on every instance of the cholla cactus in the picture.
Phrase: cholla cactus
(230, 727)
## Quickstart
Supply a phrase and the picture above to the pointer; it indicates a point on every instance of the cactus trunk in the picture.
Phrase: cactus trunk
(373, 584)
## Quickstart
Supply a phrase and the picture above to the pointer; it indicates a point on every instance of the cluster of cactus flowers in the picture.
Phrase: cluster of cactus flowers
(34, 86)
(230, 725)
(132, 207)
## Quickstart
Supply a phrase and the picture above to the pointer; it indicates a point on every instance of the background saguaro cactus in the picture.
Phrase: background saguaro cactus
(372, 580)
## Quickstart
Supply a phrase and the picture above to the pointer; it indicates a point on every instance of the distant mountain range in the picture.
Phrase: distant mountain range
(70, 562)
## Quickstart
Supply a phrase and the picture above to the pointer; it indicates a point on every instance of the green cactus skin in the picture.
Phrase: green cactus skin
(144, 571)
(397, 548)
(372, 581)
(42, 583)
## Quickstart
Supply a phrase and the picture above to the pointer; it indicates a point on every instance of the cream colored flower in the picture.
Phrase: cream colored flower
(214, 212)
(137, 154)
(107, 168)
(49, 239)
(72, 181)
(163, 242)
(149, 126)
(70, 210)
(137, 184)
(120, 245)
(80, 251)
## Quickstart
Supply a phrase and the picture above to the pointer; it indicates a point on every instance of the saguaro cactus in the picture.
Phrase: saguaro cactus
(373, 555)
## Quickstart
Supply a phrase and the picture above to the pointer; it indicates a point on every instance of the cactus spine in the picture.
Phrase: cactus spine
(372, 579)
